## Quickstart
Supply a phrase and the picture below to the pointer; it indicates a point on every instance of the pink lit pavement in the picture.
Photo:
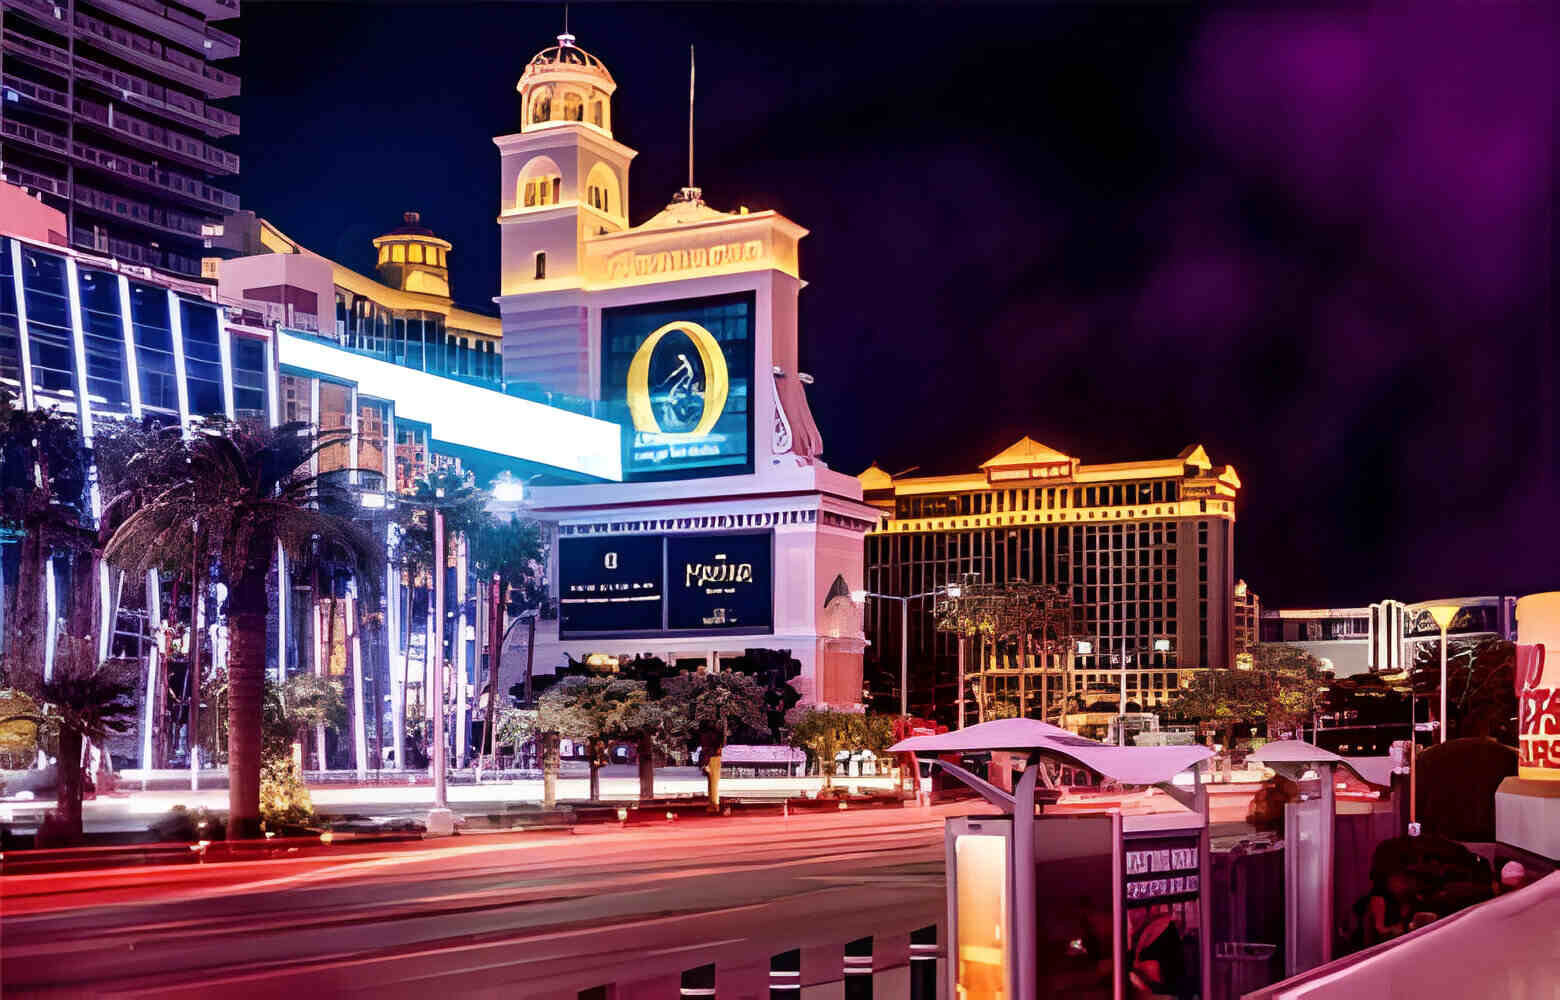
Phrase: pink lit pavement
(533, 915)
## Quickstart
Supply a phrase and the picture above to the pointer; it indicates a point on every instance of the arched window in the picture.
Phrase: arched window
(595, 113)
(573, 107)
(541, 105)
(601, 189)
(541, 264)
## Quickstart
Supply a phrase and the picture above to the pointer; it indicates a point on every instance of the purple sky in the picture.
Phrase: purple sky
(1319, 243)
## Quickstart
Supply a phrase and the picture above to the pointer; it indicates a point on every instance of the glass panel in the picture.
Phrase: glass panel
(49, 337)
(153, 346)
(10, 330)
(249, 381)
(202, 357)
(104, 338)
(335, 410)
(371, 442)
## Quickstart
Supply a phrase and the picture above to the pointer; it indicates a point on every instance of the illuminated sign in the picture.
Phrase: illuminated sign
(719, 582)
(1160, 870)
(666, 585)
(677, 377)
(610, 584)
(638, 265)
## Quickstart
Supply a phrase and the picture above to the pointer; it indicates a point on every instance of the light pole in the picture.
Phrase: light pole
(1443, 615)
(860, 597)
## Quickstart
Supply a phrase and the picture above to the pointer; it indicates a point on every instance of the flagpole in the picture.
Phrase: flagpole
(690, 116)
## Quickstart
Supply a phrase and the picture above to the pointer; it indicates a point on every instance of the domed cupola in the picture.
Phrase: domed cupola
(413, 259)
(563, 84)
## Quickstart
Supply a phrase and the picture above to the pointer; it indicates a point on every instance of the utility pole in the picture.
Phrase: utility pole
(440, 820)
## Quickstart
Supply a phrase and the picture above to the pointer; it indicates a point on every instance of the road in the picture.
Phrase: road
(535, 915)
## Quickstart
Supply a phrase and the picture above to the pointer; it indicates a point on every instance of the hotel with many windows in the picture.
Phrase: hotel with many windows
(1142, 551)
(106, 341)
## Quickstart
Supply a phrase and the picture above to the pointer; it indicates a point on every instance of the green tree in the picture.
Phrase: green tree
(511, 551)
(1481, 695)
(594, 709)
(1284, 689)
(248, 489)
(83, 701)
(717, 705)
(43, 480)
(822, 733)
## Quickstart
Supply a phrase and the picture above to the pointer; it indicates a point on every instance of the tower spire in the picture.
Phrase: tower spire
(690, 193)
(566, 38)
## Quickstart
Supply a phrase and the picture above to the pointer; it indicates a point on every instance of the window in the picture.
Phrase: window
(541, 106)
(384, 254)
(153, 347)
(541, 264)
(48, 323)
(398, 253)
(595, 113)
(539, 191)
(573, 108)
(202, 357)
(414, 253)
(103, 338)
(249, 382)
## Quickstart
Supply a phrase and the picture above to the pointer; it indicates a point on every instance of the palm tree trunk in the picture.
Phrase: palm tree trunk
(646, 767)
(68, 797)
(547, 746)
(25, 620)
(406, 667)
(247, 607)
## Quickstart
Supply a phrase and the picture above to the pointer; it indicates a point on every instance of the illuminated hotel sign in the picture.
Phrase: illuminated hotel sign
(1537, 676)
(629, 264)
(666, 584)
(677, 377)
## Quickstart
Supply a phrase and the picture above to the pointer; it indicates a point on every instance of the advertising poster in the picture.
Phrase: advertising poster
(719, 582)
(677, 376)
(610, 585)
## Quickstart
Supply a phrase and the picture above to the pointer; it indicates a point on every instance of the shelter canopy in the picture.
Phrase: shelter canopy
(1128, 765)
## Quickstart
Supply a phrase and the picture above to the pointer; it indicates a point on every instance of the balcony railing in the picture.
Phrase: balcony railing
(53, 55)
(134, 253)
(57, 100)
(35, 136)
(144, 132)
(38, 182)
(148, 94)
(129, 208)
(158, 57)
(152, 176)
(198, 31)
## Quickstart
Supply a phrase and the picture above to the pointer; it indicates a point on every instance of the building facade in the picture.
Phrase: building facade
(109, 342)
(1385, 637)
(1142, 551)
(112, 113)
(728, 532)
(1248, 616)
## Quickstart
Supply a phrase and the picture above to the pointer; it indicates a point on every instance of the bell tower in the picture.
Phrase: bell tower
(563, 178)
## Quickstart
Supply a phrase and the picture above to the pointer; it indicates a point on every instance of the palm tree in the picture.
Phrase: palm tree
(43, 479)
(510, 551)
(249, 489)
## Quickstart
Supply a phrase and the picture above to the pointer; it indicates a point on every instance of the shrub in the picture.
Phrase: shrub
(284, 798)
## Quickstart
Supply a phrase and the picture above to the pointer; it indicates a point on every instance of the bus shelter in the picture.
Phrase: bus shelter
(1078, 904)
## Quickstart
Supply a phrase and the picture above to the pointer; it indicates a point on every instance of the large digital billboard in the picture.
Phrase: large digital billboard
(666, 585)
(678, 376)
(610, 584)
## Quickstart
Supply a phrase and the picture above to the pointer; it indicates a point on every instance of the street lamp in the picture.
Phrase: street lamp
(1443, 615)
(860, 597)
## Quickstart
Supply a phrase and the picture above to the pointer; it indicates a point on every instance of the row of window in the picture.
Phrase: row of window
(411, 253)
(416, 339)
(1048, 498)
(100, 294)
(571, 107)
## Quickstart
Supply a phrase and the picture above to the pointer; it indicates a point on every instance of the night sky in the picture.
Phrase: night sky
(1319, 243)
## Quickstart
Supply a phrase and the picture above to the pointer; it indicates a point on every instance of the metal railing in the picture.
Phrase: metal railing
(129, 208)
(38, 182)
(38, 137)
(37, 92)
(193, 70)
(48, 53)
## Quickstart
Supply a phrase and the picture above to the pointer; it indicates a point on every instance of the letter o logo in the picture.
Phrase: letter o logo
(611, 560)
(717, 381)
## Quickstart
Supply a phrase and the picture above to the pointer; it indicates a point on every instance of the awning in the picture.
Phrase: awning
(1128, 765)
(1372, 770)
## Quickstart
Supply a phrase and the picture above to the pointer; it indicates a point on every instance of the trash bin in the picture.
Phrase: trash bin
(1242, 966)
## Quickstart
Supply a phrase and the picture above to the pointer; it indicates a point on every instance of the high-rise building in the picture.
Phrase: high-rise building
(110, 111)
(1143, 552)
(1247, 608)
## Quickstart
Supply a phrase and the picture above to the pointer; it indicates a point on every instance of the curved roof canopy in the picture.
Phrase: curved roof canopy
(1128, 765)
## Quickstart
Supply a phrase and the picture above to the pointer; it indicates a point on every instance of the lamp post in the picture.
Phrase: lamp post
(1443, 615)
(860, 597)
